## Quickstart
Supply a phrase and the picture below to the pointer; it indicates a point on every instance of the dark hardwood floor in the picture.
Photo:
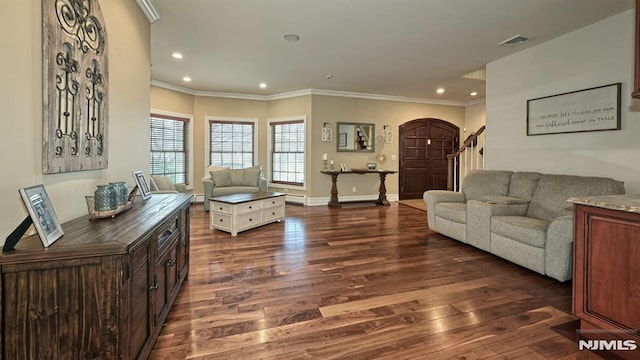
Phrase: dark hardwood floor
(361, 282)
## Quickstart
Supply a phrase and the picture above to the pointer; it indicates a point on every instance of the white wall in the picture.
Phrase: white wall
(599, 54)
(128, 34)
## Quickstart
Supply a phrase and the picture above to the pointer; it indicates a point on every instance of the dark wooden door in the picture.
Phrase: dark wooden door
(424, 145)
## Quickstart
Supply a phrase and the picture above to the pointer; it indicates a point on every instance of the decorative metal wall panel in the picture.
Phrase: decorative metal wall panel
(75, 86)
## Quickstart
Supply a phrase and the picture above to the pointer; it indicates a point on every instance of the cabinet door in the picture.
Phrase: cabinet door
(140, 308)
(183, 245)
(165, 283)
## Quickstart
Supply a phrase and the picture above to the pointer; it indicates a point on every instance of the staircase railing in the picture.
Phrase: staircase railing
(469, 157)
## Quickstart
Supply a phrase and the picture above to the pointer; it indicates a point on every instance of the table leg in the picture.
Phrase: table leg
(382, 196)
(334, 203)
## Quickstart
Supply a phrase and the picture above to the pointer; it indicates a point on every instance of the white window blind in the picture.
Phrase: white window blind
(169, 147)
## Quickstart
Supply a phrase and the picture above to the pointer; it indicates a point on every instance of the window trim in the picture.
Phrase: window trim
(269, 174)
(181, 117)
(207, 141)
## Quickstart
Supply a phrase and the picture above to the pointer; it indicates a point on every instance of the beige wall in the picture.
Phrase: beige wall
(333, 109)
(128, 34)
(317, 109)
(598, 54)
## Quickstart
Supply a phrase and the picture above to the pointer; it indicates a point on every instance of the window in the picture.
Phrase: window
(169, 147)
(287, 152)
(231, 143)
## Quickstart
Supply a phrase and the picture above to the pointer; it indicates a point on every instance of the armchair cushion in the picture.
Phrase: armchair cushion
(221, 178)
(250, 177)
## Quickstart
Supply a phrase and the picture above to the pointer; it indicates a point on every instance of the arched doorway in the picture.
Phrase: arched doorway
(424, 146)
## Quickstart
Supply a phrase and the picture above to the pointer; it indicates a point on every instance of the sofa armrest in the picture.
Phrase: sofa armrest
(558, 258)
(262, 183)
(181, 188)
(479, 214)
(433, 197)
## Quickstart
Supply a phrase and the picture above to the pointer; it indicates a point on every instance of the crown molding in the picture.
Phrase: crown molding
(475, 102)
(149, 10)
(307, 92)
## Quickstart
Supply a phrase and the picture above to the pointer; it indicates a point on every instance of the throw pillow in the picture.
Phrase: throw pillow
(250, 177)
(163, 183)
(221, 178)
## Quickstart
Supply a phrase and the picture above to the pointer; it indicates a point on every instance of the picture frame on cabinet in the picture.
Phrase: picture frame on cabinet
(42, 214)
(141, 183)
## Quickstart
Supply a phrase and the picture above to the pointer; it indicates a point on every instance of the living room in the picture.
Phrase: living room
(599, 54)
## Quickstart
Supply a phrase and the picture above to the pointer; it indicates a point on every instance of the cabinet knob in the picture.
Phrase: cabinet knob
(250, 219)
(250, 207)
(220, 220)
(220, 207)
(154, 287)
(273, 213)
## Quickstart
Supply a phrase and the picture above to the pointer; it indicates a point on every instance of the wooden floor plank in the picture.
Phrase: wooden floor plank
(359, 283)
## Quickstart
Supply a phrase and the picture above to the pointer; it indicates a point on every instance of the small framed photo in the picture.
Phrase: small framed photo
(141, 183)
(327, 134)
(42, 214)
(371, 166)
(344, 167)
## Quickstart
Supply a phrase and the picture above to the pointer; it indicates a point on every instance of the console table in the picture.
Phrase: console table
(382, 192)
(102, 291)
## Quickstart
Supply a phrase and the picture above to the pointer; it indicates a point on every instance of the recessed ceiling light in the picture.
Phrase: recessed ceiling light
(474, 93)
(328, 77)
(291, 37)
(177, 55)
(263, 85)
(440, 90)
(516, 40)
(186, 79)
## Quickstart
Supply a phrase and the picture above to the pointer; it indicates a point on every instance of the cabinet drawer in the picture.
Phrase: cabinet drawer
(168, 230)
(277, 201)
(249, 220)
(272, 214)
(220, 221)
(248, 207)
(220, 207)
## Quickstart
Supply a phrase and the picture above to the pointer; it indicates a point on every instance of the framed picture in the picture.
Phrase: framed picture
(138, 176)
(594, 109)
(327, 134)
(42, 214)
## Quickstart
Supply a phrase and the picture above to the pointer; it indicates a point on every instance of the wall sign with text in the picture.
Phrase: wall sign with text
(594, 109)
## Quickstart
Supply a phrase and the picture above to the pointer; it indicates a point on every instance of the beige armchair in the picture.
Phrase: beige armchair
(219, 181)
(161, 184)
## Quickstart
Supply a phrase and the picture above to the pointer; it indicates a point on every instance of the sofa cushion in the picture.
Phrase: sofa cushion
(452, 211)
(479, 183)
(221, 178)
(523, 184)
(523, 229)
(549, 201)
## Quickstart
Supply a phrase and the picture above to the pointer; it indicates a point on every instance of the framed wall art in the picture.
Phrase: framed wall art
(75, 86)
(593, 109)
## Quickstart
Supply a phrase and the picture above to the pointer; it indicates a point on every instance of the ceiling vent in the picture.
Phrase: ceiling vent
(516, 40)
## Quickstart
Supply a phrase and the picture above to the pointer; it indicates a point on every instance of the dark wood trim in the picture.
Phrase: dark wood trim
(636, 63)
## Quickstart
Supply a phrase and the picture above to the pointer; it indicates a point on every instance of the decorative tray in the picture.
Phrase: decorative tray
(101, 214)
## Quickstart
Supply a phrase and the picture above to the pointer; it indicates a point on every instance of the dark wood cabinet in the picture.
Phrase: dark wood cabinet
(102, 291)
(606, 281)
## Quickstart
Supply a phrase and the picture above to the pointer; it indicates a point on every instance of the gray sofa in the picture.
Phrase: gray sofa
(220, 181)
(520, 216)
